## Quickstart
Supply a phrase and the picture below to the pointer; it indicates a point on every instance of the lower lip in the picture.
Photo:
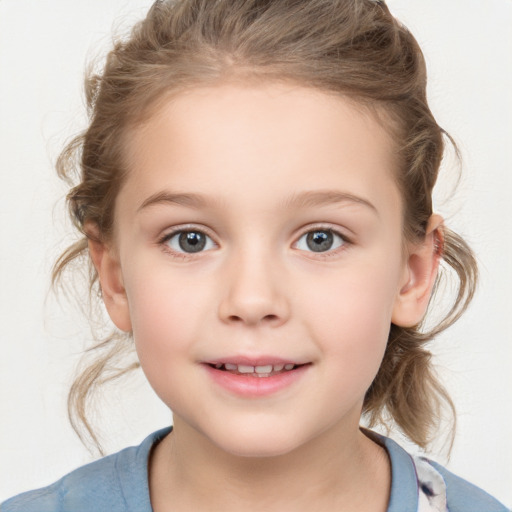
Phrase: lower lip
(255, 387)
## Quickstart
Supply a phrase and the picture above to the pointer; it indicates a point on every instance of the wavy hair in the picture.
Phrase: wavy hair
(353, 48)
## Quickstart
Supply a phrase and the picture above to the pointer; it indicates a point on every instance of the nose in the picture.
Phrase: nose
(254, 292)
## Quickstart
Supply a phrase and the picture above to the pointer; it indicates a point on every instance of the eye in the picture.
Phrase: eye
(320, 240)
(189, 241)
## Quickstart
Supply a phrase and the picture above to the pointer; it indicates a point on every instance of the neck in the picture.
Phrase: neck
(333, 472)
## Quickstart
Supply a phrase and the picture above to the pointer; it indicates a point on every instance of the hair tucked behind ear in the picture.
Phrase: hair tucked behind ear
(353, 48)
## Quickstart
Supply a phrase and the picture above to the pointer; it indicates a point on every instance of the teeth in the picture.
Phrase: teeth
(245, 369)
(263, 369)
(259, 370)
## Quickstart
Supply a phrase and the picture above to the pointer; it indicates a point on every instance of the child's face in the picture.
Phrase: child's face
(294, 256)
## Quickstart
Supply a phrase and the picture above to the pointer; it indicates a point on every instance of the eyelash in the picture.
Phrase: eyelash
(330, 253)
(164, 240)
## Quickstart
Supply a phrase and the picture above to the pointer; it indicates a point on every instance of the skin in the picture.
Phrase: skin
(258, 289)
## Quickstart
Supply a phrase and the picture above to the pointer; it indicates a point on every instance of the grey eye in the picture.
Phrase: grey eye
(320, 240)
(190, 241)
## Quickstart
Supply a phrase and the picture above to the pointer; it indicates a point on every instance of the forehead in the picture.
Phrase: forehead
(210, 139)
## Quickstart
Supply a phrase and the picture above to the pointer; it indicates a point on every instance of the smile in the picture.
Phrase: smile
(257, 380)
(267, 370)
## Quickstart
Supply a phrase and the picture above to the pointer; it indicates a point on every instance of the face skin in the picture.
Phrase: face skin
(270, 164)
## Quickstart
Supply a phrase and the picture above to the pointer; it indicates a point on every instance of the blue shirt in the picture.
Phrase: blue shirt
(119, 483)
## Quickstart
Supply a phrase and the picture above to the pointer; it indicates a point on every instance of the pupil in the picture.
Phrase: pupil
(319, 241)
(192, 241)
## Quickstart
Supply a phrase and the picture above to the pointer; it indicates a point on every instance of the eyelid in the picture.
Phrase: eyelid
(325, 226)
(175, 230)
(347, 241)
(187, 227)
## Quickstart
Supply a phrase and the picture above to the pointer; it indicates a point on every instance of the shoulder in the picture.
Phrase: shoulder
(81, 490)
(463, 496)
(78, 490)
(426, 486)
(117, 483)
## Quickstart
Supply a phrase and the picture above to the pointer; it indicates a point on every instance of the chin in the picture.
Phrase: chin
(258, 442)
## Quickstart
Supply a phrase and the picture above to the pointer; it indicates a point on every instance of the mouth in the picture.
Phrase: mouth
(255, 378)
(258, 371)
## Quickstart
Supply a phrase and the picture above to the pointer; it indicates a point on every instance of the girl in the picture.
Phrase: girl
(255, 199)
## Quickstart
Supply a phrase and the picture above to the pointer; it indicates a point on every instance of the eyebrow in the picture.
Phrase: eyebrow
(312, 198)
(300, 200)
(184, 199)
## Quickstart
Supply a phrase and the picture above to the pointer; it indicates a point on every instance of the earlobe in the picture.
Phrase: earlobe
(420, 274)
(107, 266)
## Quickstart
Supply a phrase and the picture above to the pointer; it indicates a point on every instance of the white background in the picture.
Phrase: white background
(43, 47)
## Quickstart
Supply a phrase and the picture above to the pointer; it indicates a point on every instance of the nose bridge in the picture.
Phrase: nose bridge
(254, 290)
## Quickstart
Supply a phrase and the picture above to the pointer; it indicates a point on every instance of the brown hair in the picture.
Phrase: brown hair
(354, 48)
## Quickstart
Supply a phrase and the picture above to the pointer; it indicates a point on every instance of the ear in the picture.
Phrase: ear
(420, 273)
(107, 265)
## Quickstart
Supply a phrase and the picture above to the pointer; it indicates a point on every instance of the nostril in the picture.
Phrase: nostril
(266, 318)
(252, 310)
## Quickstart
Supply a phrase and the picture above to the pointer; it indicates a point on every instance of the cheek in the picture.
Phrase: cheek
(165, 315)
(350, 315)
(165, 319)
